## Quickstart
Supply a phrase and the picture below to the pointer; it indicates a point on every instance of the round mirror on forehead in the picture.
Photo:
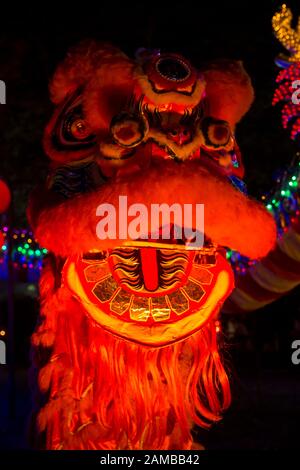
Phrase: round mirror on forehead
(173, 68)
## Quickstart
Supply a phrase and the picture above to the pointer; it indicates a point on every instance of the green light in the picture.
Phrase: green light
(269, 207)
(26, 246)
(19, 249)
(4, 247)
(23, 251)
(291, 183)
(45, 250)
(38, 252)
(30, 252)
(273, 201)
(282, 193)
(294, 178)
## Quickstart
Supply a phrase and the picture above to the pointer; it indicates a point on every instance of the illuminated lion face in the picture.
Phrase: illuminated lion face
(157, 131)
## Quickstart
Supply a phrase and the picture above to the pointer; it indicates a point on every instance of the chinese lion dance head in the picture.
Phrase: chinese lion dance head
(127, 346)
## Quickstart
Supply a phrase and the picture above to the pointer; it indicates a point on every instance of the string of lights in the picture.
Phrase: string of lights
(27, 255)
(287, 93)
(283, 201)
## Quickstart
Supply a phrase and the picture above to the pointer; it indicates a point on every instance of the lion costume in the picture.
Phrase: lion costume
(126, 346)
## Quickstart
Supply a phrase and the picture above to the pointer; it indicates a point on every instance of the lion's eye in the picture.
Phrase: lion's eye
(71, 132)
(80, 129)
(75, 128)
(216, 133)
(219, 134)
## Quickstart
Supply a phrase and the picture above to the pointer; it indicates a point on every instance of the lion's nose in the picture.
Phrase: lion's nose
(180, 136)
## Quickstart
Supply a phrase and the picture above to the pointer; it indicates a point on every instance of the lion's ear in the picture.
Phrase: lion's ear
(229, 92)
(79, 66)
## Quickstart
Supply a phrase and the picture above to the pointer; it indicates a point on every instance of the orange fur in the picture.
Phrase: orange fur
(229, 93)
(79, 67)
(231, 218)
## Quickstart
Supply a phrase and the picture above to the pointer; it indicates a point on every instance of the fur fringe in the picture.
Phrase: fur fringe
(231, 218)
(106, 393)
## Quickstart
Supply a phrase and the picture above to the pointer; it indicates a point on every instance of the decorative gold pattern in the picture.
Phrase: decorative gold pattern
(94, 256)
(95, 272)
(206, 258)
(179, 303)
(160, 334)
(160, 309)
(173, 265)
(201, 275)
(140, 308)
(120, 302)
(104, 290)
(193, 290)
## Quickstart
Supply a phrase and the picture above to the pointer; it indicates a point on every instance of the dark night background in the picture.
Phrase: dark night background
(266, 387)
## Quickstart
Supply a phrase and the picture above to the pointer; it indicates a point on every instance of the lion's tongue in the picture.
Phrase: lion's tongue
(149, 266)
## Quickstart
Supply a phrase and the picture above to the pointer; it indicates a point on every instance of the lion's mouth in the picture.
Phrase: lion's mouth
(151, 266)
(151, 295)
